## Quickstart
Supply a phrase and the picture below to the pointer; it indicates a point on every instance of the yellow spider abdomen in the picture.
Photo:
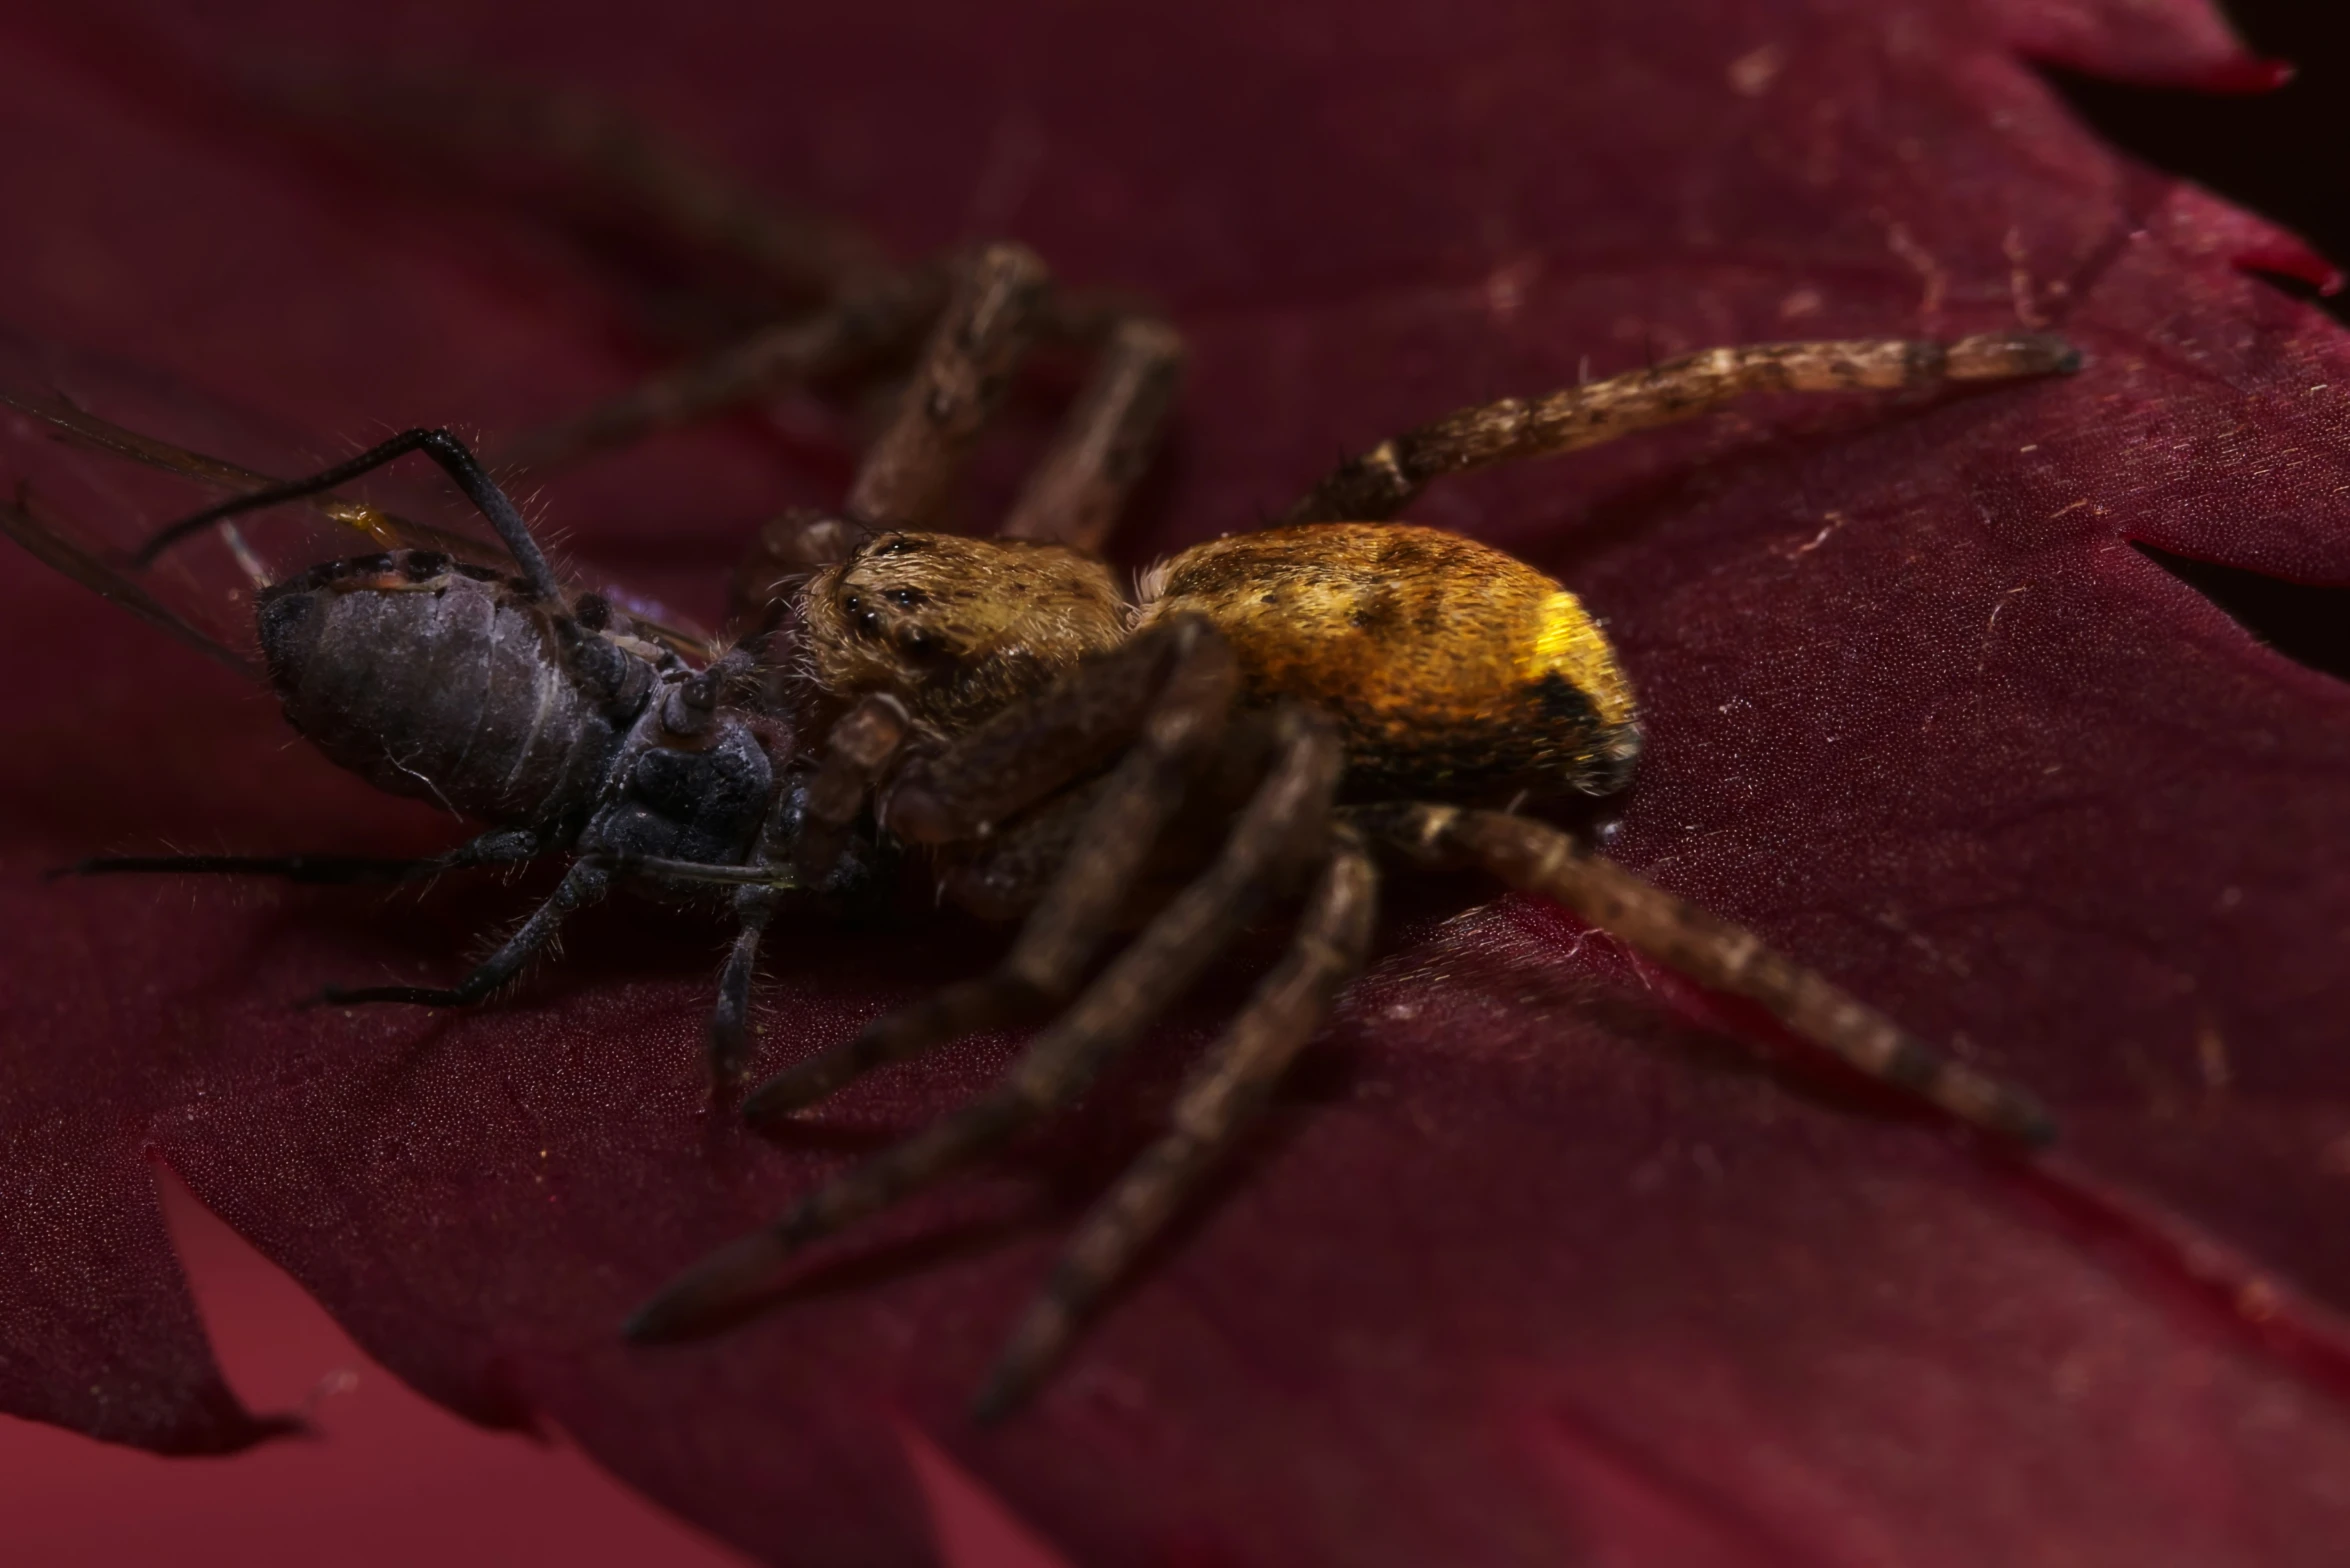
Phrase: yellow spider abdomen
(1455, 671)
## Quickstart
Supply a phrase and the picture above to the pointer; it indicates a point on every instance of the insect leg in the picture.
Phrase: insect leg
(501, 847)
(1287, 816)
(1384, 480)
(1538, 858)
(582, 884)
(1077, 490)
(730, 1019)
(443, 448)
(974, 347)
(1179, 708)
(1217, 1102)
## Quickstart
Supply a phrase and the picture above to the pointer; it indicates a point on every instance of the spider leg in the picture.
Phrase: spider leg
(877, 321)
(870, 323)
(501, 847)
(1217, 1103)
(582, 884)
(1285, 822)
(967, 362)
(454, 457)
(1384, 480)
(603, 165)
(730, 1017)
(1176, 686)
(1076, 492)
(1538, 858)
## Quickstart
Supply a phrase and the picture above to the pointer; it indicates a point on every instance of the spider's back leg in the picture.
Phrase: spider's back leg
(1535, 857)
(1218, 1101)
(1384, 480)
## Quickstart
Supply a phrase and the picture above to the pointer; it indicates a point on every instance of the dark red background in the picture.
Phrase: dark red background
(1726, 1397)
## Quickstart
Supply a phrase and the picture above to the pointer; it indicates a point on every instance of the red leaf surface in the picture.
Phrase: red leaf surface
(1534, 1263)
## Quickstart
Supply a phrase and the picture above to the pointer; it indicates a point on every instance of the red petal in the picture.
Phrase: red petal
(1533, 1262)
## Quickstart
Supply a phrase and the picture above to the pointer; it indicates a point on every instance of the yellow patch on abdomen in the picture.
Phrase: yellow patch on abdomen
(1569, 643)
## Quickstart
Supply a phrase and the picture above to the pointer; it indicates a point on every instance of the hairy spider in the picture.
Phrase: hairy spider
(1267, 713)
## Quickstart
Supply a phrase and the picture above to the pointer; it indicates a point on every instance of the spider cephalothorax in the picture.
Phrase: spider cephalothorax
(956, 628)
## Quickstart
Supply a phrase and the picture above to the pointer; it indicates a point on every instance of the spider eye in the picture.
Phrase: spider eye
(904, 598)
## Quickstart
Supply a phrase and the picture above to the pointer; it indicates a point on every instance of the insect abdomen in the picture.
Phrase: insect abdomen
(1456, 672)
(429, 681)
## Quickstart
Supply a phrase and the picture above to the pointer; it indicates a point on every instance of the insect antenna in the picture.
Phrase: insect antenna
(454, 457)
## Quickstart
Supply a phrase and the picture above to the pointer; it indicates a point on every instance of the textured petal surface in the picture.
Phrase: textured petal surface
(1537, 1262)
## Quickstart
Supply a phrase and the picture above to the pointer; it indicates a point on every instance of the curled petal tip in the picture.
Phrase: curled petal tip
(2248, 74)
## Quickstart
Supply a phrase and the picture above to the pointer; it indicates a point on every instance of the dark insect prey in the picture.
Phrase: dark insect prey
(1261, 721)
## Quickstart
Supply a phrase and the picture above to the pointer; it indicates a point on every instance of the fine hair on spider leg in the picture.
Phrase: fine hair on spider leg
(1535, 857)
(1386, 479)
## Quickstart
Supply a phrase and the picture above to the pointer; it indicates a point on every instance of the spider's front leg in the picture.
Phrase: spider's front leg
(980, 314)
(967, 364)
(1535, 857)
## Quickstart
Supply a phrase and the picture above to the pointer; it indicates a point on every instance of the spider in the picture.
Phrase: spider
(1255, 726)
(1265, 717)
